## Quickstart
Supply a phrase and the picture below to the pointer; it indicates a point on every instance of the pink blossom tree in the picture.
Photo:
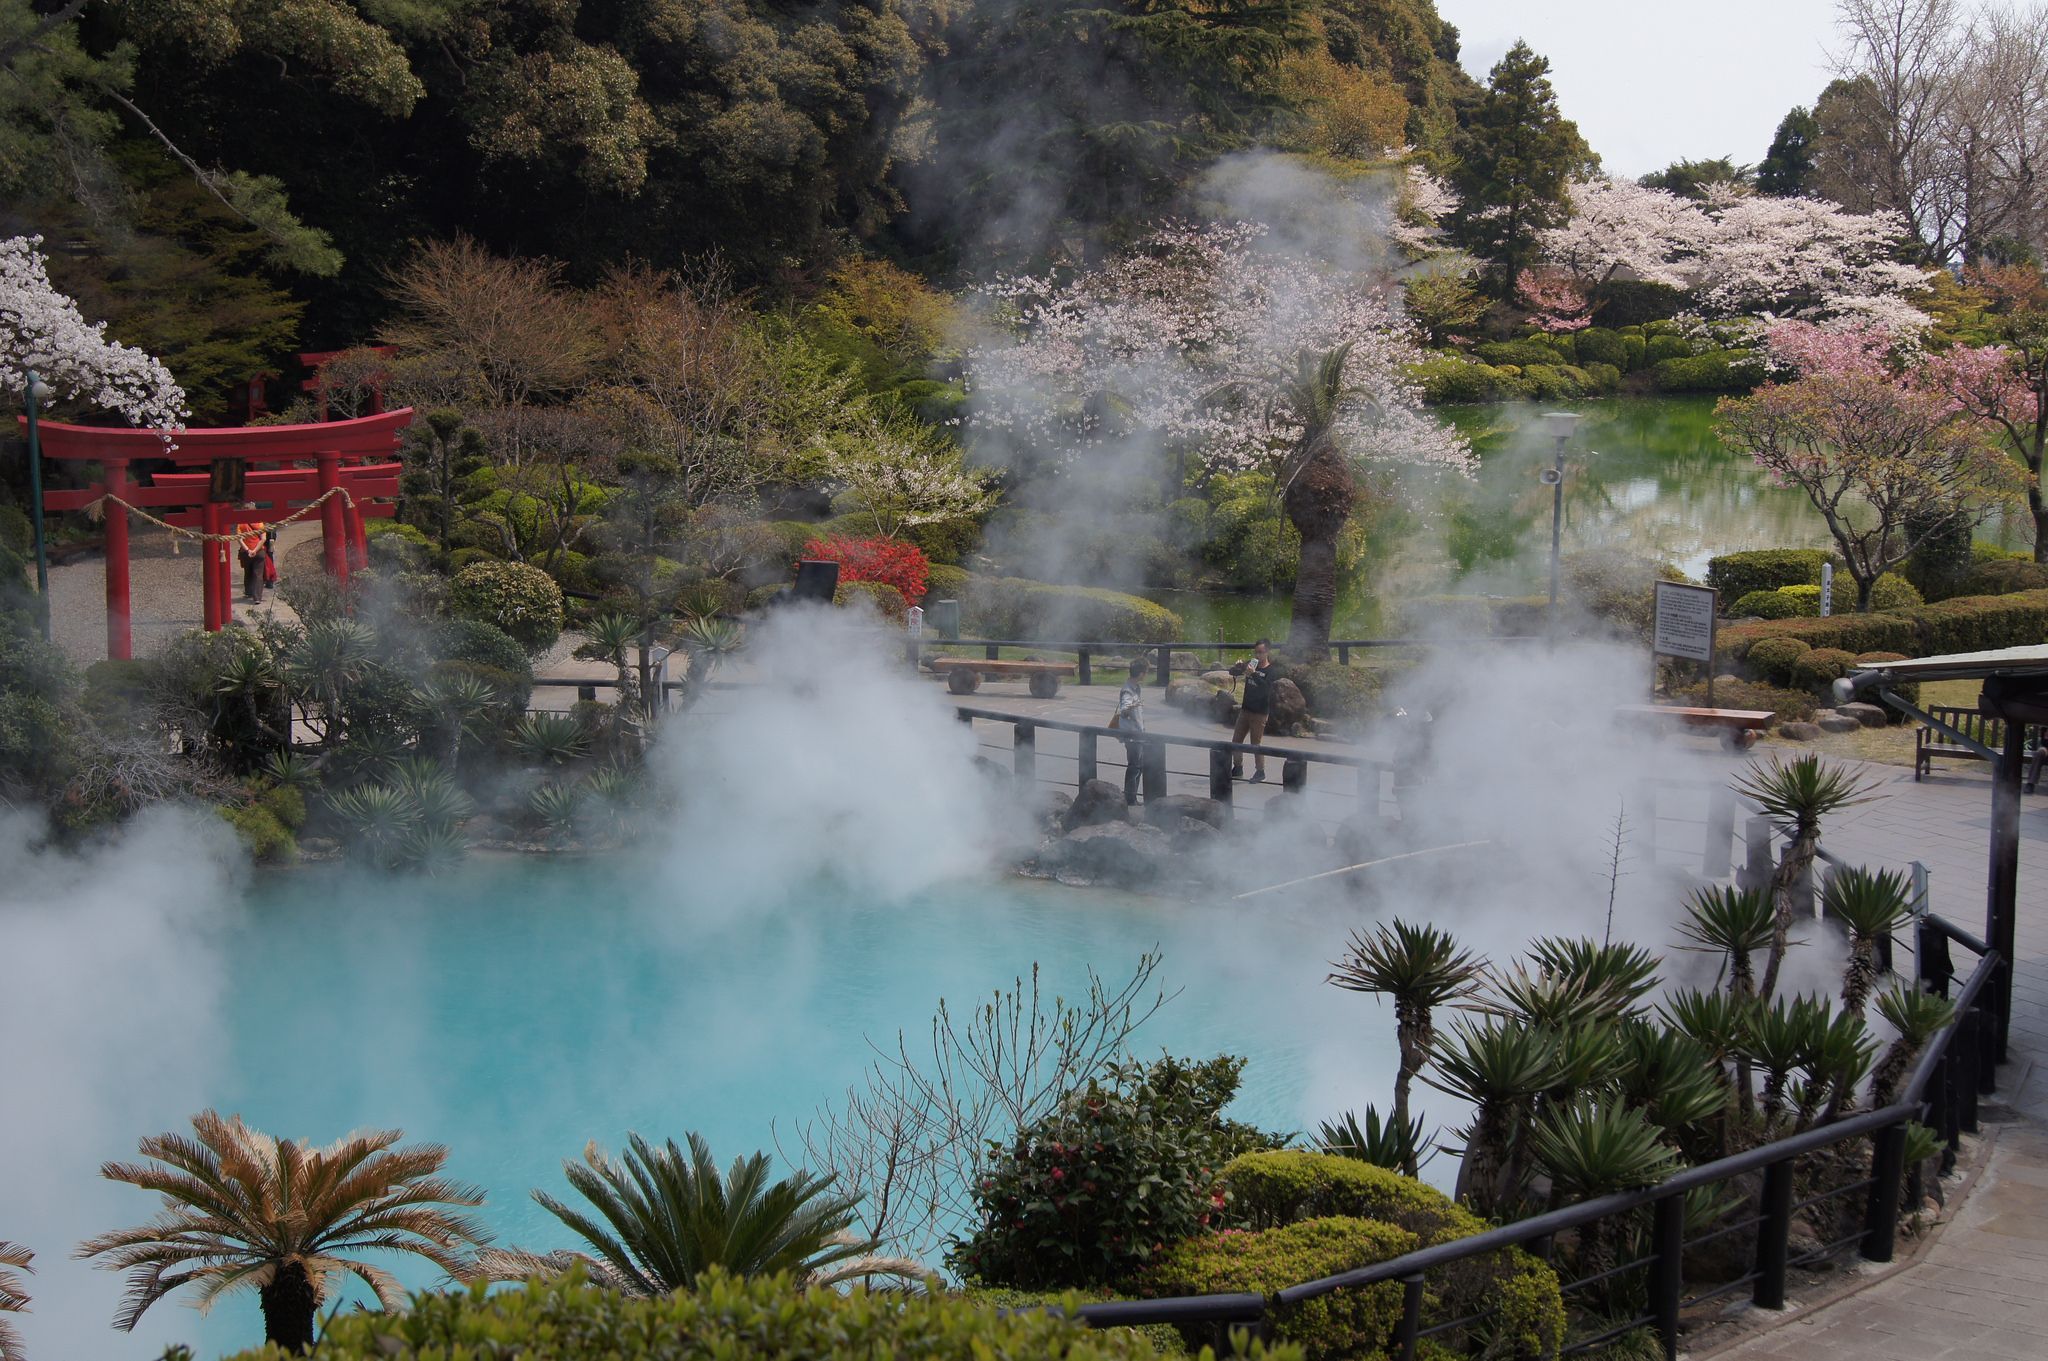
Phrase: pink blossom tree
(1187, 344)
(42, 332)
(1557, 302)
(2006, 385)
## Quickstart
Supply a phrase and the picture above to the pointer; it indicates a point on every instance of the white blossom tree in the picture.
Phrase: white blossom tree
(1799, 255)
(1179, 345)
(1620, 227)
(41, 331)
(898, 479)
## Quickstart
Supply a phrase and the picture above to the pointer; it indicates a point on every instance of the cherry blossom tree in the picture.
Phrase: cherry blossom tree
(1888, 464)
(1620, 227)
(1559, 304)
(2006, 386)
(1180, 344)
(1423, 205)
(898, 479)
(41, 331)
(1799, 255)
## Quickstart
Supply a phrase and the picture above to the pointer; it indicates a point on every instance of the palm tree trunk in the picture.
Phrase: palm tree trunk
(1791, 872)
(289, 1303)
(1318, 503)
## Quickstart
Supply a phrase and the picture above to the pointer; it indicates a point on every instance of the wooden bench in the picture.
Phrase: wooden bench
(1928, 743)
(964, 674)
(1738, 727)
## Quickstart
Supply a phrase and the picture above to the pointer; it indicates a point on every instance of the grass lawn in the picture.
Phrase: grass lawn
(1892, 745)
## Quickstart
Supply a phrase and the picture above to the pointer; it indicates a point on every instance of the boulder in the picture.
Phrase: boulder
(1797, 731)
(1827, 720)
(1290, 709)
(1191, 836)
(1166, 811)
(1869, 715)
(1097, 802)
(1192, 695)
(1223, 708)
(1222, 680)
(1053, 809)
(1186, 662)
(1127, 854)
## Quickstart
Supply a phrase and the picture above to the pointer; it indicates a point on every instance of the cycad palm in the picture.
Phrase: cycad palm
(1589, 1149)
(1796, 795)
(664, 1217)
(1871, 904)
(13, 1296)
(1918, 1017)
(1421, 968)
(1734, 922)
(1497, 1065)
(611, 638)
(245, 1211)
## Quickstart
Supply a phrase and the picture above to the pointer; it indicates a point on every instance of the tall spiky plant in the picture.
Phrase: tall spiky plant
(1796, 795)
(1918, 1017)
(1383, 1143)
(664, 1217)
(1781, 1038)
(1719, 1023)
(611, 638)
(1735, 923)
(243, 1211)
(1498, 1065)
(1871, 904)
(1617, 973)
(1591, 1148)
(13, 1297)
(1421, 968)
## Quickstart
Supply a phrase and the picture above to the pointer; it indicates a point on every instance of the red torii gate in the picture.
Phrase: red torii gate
(346, 492)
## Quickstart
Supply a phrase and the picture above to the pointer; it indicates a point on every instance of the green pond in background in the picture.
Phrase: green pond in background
(1647, 475)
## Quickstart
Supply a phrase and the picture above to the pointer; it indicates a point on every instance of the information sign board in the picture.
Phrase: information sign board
(1685, 621)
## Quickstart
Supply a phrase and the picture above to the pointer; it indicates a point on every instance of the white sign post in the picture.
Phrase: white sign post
(1827, 589)
(1685, 626)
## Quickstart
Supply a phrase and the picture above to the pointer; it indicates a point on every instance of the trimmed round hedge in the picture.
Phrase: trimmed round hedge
(1772, 658)
(719, 1319)
(519, 598)
(880, 596)
(1735, 575)
(1818, 668)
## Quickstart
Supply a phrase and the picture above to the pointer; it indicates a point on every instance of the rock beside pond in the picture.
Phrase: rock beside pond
(1869, 715)
(1827, 720)
(1167, 811)
(1796, 731)
(1290, 709)
(1053, 810)
(1127, 854)
(1097, 803)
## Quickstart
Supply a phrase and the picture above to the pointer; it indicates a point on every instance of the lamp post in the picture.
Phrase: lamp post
(37, 393)
(1560, 424)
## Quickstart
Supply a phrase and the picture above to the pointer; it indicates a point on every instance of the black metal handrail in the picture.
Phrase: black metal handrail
(1931, 1088)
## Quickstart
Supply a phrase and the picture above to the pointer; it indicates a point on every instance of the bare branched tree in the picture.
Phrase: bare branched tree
(911, 1138)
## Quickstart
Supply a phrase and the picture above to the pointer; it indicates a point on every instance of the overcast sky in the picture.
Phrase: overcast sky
(1653, 81)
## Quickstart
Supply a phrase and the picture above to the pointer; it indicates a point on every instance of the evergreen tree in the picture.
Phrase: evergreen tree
(1516, 155)
(1788, 167)
(1693, 179)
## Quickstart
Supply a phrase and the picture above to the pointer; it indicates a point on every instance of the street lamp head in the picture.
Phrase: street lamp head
(1560, 423)
(38, 390)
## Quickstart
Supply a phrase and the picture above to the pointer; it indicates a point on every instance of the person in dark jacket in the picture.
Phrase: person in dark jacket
(1130, 718)
(1254, 708)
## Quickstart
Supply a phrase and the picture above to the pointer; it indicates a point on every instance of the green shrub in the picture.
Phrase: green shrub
(285, 804)
(1273, 1189)
(945, 540)
(761, 595)
(1164, 1338)
(1662, 348)
(878, 595)
(1787, 704)
(1519, 352)
(484, 644)
(1979, 623)
(516, 597)
(1852, 632)
(1715, 371)
(1638, 354)
(2004, 576)
(718, 1319)
(1344, 1323)
(268, 841)
(1735, 575)
(462, 558)
(1786, 602)
(1940, 563)
(1818, 668)
(1013, 607)
(1086, 1195)
(17, 532)
(1889, 593)
(575, 572)
(1447, 380)
(945, 582)
(1345, 695)
(1772, 659)
(1598, 345)
(1603, 376)
(1630, 302)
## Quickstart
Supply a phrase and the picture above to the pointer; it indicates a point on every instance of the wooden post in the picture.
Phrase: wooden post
(1293, 775)
(1155, 767)
(209, 570)
(1085, 676)
(358, 536)
(1087, 761)
(1404, 1339)
(120, 640)
(1887, 1170)
(2002, 895)
(1219, 774)
(1165, 666)
(1024, 749)
(333, 528)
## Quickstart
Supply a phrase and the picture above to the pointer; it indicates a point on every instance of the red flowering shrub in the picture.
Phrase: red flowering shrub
(889, 561)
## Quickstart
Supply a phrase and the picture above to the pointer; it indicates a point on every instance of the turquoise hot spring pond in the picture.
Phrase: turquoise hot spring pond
(522, 1008)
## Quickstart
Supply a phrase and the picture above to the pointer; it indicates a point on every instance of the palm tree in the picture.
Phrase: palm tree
(1871, 904)
(664, 1218)
(1719, 1023)
(1315, 481)
(611, 638)
(1796, 795)
(1618, 973)
(1918, 1017)
(1421, 968)
(1733, 922)
(1591, 1148)
(243, 1210)
(1781, 1037)
(461, 701)
(331, 661)
(13, 1296)
(1497, 1065)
